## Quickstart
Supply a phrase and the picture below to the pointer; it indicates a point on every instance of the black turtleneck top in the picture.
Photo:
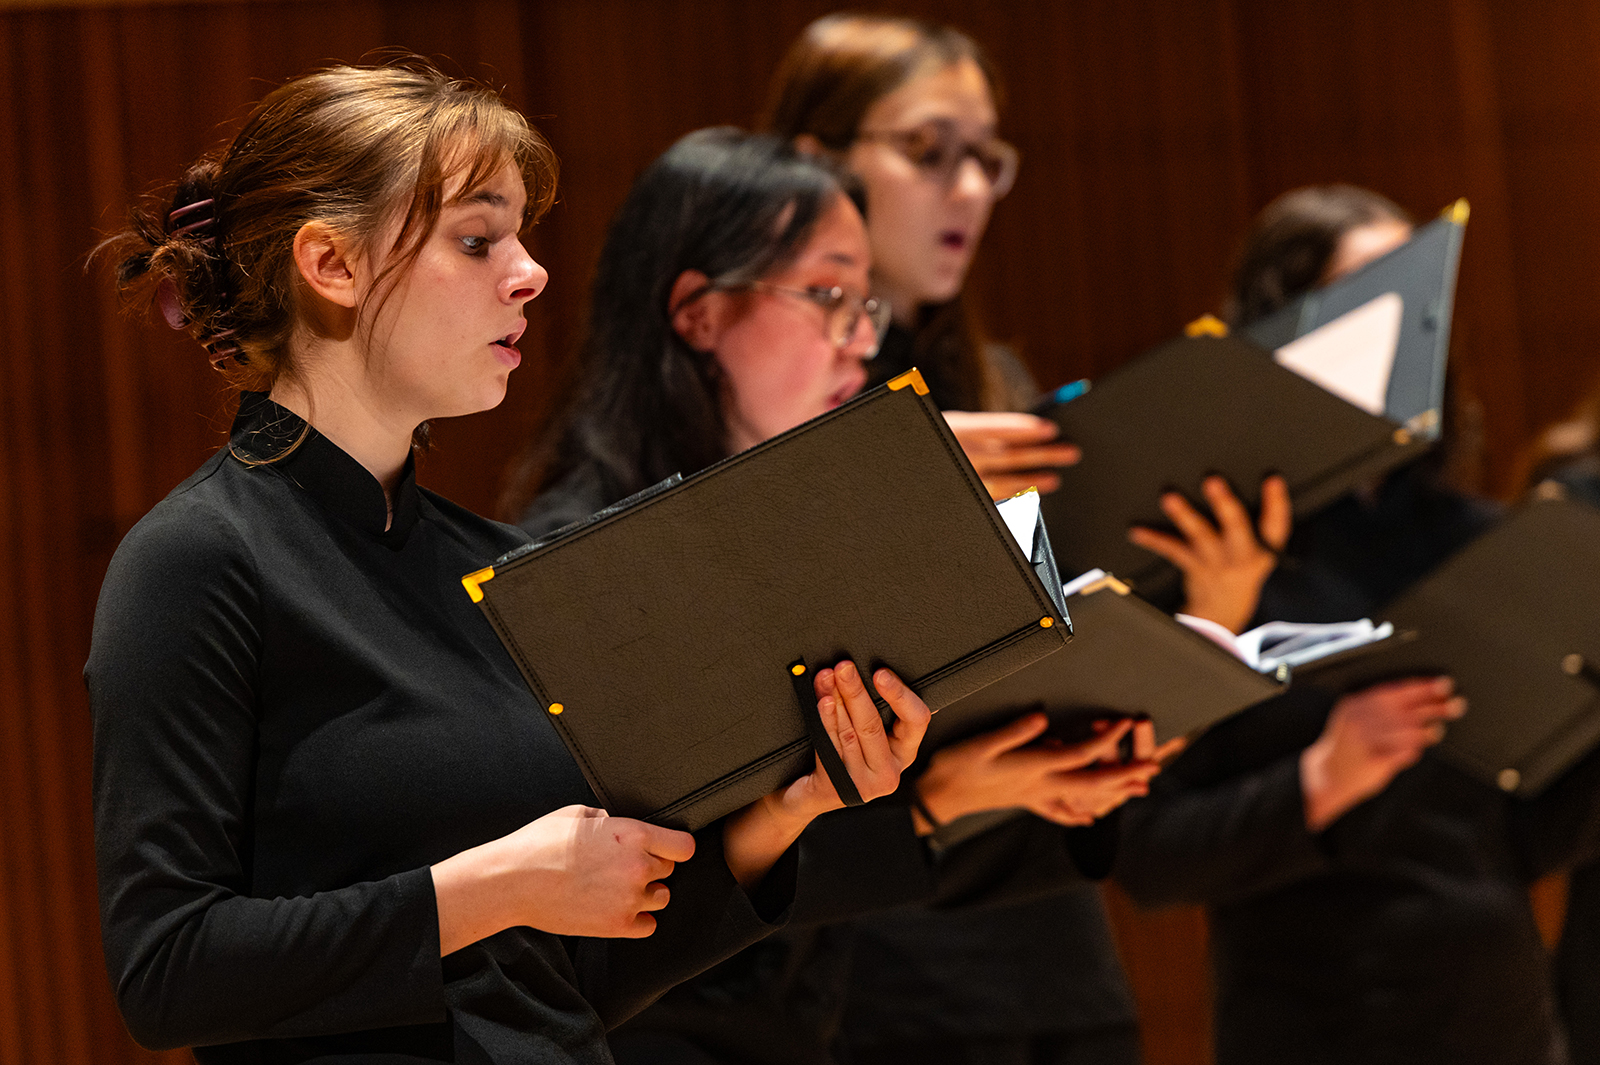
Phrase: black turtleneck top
(297, 712)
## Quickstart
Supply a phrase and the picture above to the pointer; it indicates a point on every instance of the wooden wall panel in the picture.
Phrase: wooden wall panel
(1150, 130)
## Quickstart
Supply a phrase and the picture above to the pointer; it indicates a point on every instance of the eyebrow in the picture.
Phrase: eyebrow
(842, 259)
(482, 197)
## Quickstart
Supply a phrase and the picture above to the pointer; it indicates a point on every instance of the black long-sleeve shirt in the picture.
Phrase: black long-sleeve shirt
(1403, 933)
(296, 713)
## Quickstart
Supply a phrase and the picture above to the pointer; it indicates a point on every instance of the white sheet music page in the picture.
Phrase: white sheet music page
(1353, 355)
(1021, 515)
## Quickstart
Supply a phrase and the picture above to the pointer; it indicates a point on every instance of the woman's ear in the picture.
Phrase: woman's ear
(326, 264)
(696, 314)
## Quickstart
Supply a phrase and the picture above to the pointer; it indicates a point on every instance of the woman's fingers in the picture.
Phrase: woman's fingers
(1023, 730)
(1200, 533)
(861, 739)
(1277, 513)
(1174, 550)
(987, 430)
(911, 717)
(656, 897)
(668, 844)
(1233, 521)
(1031, 457)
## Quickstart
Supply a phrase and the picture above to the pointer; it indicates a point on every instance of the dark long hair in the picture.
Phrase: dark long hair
(830, 78)
(735, 206)
(1289, 245)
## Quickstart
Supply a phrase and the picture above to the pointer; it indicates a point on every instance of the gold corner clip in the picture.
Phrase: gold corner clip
(798, 669)
(556, 708)
(1106, 582)
(472, 581)
(1207, 325)
(912, 378)
(1046, 622)
(1458, 212)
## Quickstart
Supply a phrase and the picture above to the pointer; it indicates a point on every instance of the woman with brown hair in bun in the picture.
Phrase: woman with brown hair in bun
(332, 824)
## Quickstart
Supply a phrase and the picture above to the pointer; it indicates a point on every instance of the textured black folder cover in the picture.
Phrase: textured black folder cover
(1126, 658)
(1515, 618)
(665, 630)
(1196, 406)
(1423, 273)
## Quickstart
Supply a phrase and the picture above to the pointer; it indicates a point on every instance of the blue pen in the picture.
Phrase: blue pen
(1070, 391)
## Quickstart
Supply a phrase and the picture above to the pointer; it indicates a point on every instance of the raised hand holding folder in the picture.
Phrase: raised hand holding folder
(1355, 390)
(663, 636)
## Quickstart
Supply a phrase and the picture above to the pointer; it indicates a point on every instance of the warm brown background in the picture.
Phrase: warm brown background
(1150, 132)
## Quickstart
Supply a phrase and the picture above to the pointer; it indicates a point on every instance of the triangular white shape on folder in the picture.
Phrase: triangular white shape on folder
(1353, 355)
(1021, 515)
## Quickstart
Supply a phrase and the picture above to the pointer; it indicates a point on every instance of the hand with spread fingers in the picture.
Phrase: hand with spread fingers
(1016, 766)
(1012, 452)
(755, 837)
(1224, 565)
(1370, 737)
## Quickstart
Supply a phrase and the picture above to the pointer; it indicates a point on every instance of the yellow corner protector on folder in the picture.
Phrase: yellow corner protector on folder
(1207, 325)
(1458, 212)
(472, 580)
(1108, 581)
(912, 377)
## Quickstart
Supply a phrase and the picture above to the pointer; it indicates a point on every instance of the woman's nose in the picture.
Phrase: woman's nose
(863, 342)
(525, 279)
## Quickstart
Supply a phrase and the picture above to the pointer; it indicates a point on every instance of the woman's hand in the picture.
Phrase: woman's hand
(1068, 783)
(1369, 738)
(755, 837)
(1011, 452)
(1223, 565)
(577, 871)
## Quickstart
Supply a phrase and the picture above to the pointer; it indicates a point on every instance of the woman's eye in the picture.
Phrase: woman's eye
(476, 245)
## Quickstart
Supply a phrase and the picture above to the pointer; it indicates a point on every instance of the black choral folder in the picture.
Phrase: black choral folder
(1217, 404)
(1513, 616)
(1126, 659)
(672, 638)
(1197, 406)
(1419, 280)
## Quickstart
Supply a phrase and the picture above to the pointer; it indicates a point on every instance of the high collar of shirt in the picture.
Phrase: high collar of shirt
(266, 433)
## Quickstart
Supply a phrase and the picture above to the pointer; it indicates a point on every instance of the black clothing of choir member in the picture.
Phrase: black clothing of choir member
(1403, 932)
(1578, 954)
(1035, 980)
(296, 712)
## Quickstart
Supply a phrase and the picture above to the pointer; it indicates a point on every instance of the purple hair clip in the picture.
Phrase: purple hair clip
(221, 348)
(187, 210)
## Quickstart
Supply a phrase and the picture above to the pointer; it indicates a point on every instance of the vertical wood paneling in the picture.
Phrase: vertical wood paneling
(1151, 130)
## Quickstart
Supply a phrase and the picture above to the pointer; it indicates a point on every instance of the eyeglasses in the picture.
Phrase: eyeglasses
(938, 153)
(843, 310)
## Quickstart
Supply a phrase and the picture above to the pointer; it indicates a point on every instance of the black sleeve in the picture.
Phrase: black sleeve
(192, 959)
(709, 918)
(860, 860)
(1227, 819)
(1560, 827)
